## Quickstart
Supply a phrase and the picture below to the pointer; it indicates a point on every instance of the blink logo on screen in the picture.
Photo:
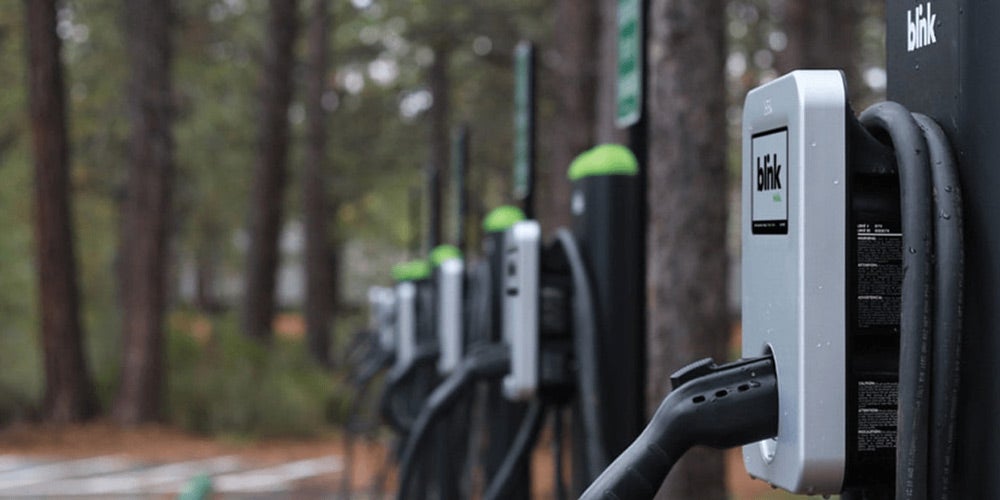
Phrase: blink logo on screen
(768, 172)
(769, 182)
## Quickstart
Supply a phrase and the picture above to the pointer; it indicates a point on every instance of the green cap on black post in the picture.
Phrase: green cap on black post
(442, 253)
(606, 159)
(502, 218)
(414, 270)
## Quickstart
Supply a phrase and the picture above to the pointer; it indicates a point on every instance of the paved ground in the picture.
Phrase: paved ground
(117, 475)
(103, 461)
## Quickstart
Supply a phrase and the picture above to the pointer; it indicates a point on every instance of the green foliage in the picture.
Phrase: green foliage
(20, 383)
(229, 384)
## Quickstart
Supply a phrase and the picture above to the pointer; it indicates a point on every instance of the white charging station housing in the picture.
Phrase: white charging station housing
(449, 314)
(521, 270)
(406, 323)
(382, 301)
(794, 273)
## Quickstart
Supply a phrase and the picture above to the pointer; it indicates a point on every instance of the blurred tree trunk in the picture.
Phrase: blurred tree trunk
(440, 85)
(605, 130)
(266, 200)
(575, 69)
(318, 268)
(823, 34)
(687, 212)
(146, 211)
(69, 393)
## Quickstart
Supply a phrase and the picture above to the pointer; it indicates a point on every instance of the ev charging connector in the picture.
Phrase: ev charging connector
(449, 274)
(822, 271)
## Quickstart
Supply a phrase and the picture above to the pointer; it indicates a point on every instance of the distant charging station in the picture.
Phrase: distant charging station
(521, 269)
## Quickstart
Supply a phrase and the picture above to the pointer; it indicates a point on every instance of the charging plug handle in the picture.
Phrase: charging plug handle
(713, 405)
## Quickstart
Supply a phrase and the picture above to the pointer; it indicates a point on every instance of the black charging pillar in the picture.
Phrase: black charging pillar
(606, 209)
(943, 60)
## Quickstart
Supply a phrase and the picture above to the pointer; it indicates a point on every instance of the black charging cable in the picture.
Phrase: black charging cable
(892, 119)
(376, 361)
(398, 376)
(718, 406)
(585, 347)
(519, 451)
(949, 258)
(931, 316)
(486, 362)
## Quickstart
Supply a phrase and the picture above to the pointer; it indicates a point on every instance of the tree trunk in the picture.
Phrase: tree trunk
(146, 211)
(687, 212)
(823, 34)
(319, 275)
(575, 77)
(440, 145)
(69, 393)
(270, 173)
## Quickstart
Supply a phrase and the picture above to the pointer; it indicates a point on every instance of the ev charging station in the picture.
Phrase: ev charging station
(822, 269)
(449, 277)
(502, 414)
(521, 270)
(607, 204)
(852, 291)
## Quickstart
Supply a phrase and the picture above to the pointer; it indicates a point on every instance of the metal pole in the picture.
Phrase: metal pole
(524, 127)
(459, 167)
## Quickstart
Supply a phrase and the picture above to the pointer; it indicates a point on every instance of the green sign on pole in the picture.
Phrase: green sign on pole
(629, 85)
(523, 120)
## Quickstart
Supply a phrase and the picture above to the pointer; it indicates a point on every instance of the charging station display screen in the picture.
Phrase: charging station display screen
(769, 182)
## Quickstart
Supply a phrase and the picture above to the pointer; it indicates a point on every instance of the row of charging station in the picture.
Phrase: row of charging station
(525, 323)
(849, 271)
(852, 262)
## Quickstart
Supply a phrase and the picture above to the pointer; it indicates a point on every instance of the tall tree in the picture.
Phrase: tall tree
(687, 259)
(574, 66)
(269, 176)
(69, 393)
(821, 35)
(146, 210)
(319, 275)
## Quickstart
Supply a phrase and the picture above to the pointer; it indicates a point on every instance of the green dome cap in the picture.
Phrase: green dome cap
(502, 218)
(606, 159)
(442, 253)
(411, 271)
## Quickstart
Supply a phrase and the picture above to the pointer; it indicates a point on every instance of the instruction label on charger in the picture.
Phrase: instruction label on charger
(877, 414)
(768, 176)
(880, 275)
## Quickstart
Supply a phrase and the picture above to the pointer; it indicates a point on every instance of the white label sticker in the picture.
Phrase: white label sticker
(769, 182)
